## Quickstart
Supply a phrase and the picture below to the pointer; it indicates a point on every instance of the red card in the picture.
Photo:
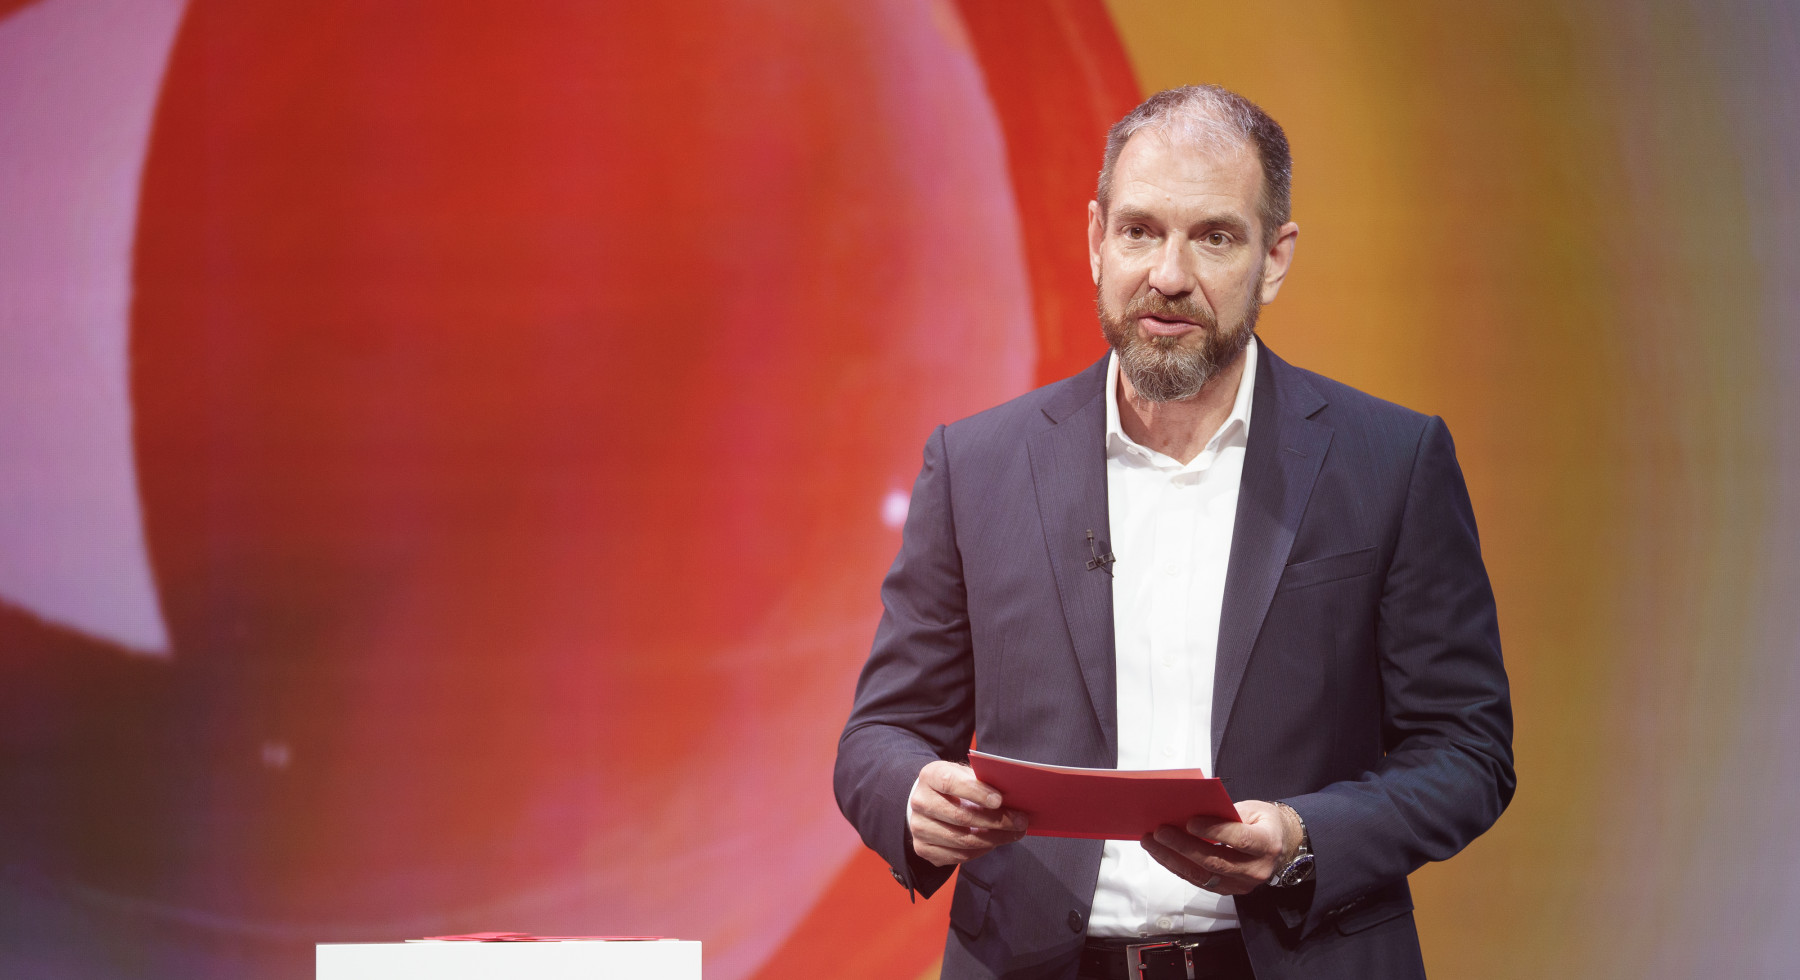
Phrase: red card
(1102, 804)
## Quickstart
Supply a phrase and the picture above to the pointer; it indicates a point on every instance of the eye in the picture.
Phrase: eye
(1134, 233)
(1217, 239)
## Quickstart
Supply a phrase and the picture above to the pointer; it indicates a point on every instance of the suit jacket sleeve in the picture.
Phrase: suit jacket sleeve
(914, 700)
(1448, 769)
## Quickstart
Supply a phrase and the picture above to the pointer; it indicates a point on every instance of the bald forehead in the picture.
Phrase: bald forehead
(1157, 164)
(1198, 128)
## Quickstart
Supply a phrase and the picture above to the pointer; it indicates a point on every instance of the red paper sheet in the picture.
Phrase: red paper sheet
(1102, 804)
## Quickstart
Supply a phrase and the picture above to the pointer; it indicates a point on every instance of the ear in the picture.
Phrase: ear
(1096, 237)
(1279, 258)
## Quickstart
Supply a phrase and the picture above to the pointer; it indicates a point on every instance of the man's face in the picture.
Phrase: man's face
(1181, 267)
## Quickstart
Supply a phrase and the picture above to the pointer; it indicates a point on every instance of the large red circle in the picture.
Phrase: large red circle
(518, 391)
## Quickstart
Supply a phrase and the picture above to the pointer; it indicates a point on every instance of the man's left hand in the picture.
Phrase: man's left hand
(1229, 858)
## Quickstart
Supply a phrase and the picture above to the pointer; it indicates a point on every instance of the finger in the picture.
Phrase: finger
(959, 781)
(1175, 861)
(1217, 882)
(1214, 858)
(1250, 838)
(1002, 819)
(1237, 886)
(955, 811)
(943, 834)
(1180, 840)
(1224, 860)
(944, 844)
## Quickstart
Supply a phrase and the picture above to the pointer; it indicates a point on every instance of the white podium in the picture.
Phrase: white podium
(659, 959)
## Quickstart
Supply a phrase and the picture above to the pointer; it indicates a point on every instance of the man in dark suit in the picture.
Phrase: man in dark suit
(1190, 555)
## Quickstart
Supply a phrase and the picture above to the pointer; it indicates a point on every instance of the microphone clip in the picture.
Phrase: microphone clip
(1098, 560)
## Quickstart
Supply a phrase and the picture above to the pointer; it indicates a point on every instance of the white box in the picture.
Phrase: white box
(662, 959)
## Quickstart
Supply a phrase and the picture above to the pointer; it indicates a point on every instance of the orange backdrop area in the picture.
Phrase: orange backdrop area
(448, 452)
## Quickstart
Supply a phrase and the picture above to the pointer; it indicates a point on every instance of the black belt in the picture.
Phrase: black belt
(1190, 956)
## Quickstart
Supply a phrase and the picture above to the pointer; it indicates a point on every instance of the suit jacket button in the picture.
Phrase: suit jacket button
(1076, 920)
(896, 875)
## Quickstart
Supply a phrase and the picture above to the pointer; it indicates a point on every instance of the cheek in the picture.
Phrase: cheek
(1114, 292)
(1230, 286)
(1122, 272)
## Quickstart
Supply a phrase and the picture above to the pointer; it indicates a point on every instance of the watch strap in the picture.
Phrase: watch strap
(1301, 867)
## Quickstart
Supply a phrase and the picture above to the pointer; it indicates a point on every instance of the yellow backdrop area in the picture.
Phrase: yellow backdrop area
(1538, 221)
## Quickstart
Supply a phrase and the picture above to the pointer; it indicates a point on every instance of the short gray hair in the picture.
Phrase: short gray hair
(1216, 118)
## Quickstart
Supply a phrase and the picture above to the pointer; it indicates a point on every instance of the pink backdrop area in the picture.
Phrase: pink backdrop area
(509, 412)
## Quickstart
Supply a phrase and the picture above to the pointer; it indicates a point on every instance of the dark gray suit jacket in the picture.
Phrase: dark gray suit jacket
(1358, 676)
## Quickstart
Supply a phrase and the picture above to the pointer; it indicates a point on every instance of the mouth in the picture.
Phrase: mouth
(1165, 326)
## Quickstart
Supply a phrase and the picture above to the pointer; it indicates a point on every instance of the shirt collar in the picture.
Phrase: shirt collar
(1235, 430)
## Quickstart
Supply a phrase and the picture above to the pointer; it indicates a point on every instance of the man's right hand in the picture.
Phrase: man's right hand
(954, 817)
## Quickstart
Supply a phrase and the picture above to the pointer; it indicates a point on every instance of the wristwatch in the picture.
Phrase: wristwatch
(1301, 867)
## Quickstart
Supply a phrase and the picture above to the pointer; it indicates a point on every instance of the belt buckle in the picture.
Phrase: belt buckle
(1134, 957)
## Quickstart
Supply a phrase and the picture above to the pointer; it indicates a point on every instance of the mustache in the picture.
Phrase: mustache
(1167, 308)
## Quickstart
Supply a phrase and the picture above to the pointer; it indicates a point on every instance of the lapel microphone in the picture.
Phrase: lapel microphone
(1099, 560)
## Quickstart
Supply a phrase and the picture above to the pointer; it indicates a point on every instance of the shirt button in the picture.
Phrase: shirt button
(1165, 923)
(1075, 920)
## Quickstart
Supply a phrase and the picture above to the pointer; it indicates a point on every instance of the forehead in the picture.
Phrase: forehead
(1155, 172)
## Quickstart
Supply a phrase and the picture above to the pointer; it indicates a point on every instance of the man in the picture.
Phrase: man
(1190, 555)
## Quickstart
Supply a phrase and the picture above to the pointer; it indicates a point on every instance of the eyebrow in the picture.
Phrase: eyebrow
(1226, 222)
(1132, 216)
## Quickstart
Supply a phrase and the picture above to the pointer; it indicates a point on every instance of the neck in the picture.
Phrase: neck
(1180, 430)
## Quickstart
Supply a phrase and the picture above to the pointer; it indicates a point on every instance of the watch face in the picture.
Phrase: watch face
(1295, 873)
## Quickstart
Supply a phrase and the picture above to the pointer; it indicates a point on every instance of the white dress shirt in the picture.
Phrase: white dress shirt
(1171, 535)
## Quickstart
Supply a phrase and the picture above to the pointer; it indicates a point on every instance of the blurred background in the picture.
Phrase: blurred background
(448, 452)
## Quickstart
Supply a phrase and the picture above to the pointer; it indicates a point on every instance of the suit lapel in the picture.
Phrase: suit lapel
(1281, 461)
(1068, 469)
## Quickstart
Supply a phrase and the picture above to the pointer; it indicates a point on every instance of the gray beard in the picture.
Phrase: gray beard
(1161, 369)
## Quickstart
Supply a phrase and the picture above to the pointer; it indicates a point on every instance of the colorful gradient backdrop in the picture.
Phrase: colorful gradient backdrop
(448, 452)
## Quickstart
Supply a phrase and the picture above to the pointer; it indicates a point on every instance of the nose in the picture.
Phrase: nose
(1172, 274)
